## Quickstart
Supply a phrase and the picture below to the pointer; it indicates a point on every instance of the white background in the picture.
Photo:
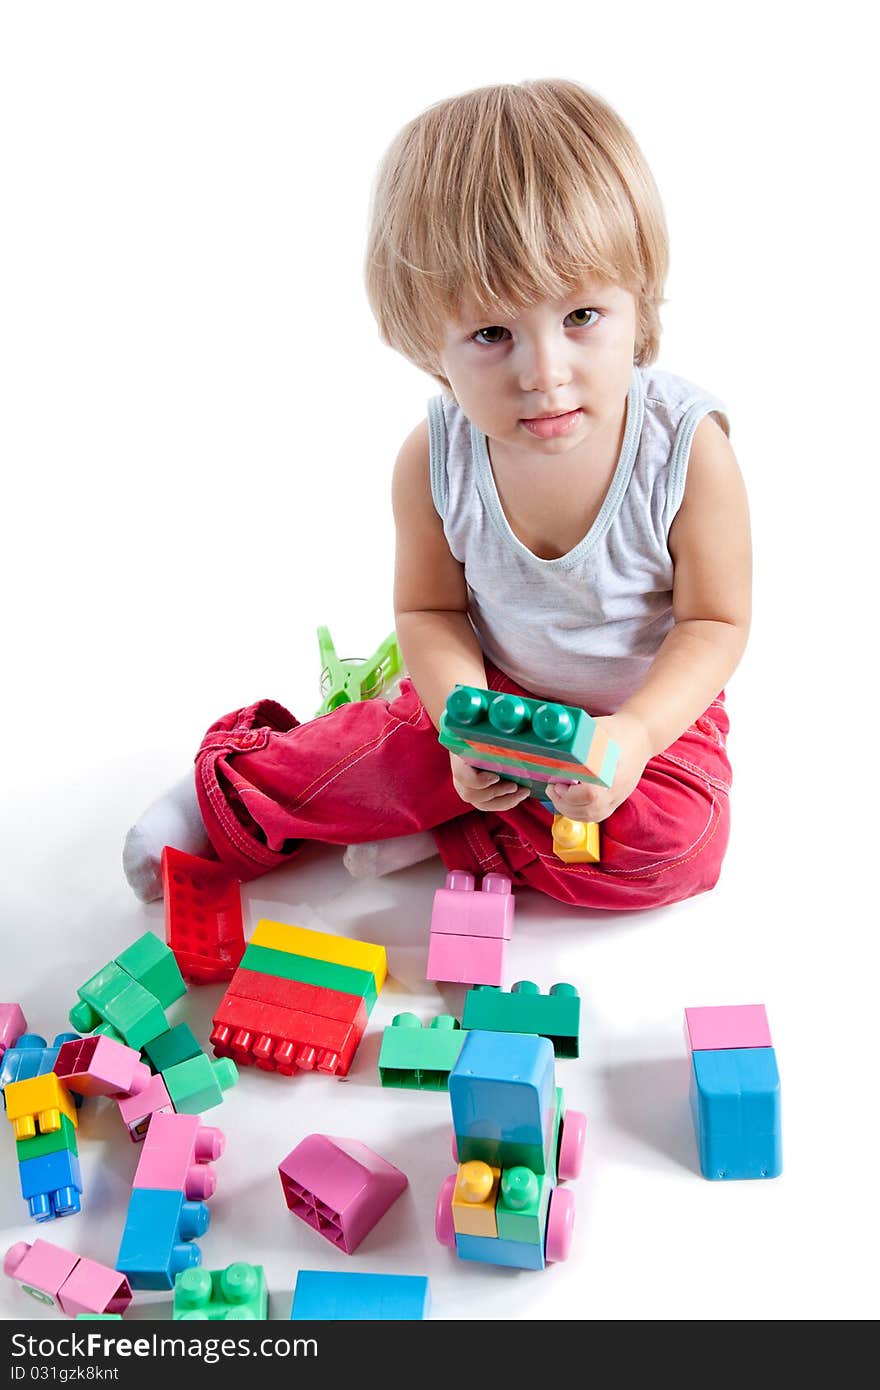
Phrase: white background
(197, 428)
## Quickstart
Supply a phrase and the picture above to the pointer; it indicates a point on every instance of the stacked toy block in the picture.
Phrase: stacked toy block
(734, 1092)
(78, 1287)
(43, 1118)
(168, 1207)
(203, 924)
(321, 1296)
(31, 1056)
(470, 930)
(237, 1292)
(299, 1001)
(339, 1187)
(526, 1010)
(416, 1058)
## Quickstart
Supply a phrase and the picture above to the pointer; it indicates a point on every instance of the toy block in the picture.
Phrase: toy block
(98, 1066)
(93, 1290)
(286, 965)
(41, 1269)
(112, 998)
(32, 1056)
(504, 767)
(99, 1317)
(12, 1024)
(348, 682)
(729, 1025)
(525, 1009)
(38, 1103)
(465, 960)
(282, 1040)
(575, 841)
(339, 1187)
(151, 963)
(238, 1291)
(179, 1044)
(460, 911)
(322, 1296)
(502, 1094)
(521, 1209)
(203, 924)
(137, 1111)
(735, 1104)
(474, 1198)
(177, 1152)
(51, 1184)
(516, 1254)
(198, 1084)
(63, 1138)
(158, 1240)
(306, 999)
(320, 945)
(416, 1058)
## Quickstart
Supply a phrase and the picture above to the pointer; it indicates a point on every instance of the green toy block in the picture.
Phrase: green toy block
(552, 1153)
(149, 961)
(346, 978)
(420, 1059)
(40, 1144)
(525, 1009)
(112, 996)
(179, 1044)
(238, 1292)
(521, 1209)
(198, 1084)
(346, 682)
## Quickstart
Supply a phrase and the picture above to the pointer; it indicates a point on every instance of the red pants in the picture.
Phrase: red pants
(368, 771)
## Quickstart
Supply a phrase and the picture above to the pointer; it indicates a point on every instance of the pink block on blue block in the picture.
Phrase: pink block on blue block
(466, 960)
(726, 1025)
(461, 910)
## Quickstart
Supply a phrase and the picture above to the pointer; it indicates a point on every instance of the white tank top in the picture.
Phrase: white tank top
(585, 627)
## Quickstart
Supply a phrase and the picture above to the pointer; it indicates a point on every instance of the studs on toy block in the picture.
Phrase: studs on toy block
(526, 1010)
(80, 1288)
(177, 1152)
(203, 923)
(198, 1084)
(469, 929)
(38, 1103)
(339, 1187)
(158, 1240)
(51, 1184)
(575, 841)
(238, 1292)
(416, 1058)
(32, 1056)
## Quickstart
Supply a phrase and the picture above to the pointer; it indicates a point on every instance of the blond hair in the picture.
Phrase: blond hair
(505, 196)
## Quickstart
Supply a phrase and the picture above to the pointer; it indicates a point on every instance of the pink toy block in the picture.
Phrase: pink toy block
(729, 1025)
(176, 1154)
(137, 1110)
(93, 1288)
(65, 1280)
(460, 911)
(12, 1024)
(101, 1066)
(466, 960)
(340, 1187)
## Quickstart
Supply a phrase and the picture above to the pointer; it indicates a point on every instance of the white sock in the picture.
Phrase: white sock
(378, 857)
(173, 819)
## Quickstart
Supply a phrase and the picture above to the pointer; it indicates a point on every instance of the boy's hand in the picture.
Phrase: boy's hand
(587, 802)
(485, 790)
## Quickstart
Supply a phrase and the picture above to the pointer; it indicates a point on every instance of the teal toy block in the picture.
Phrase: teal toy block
(149, 961)
(99, 1317)
(111, 997)
(515, 1254)
(502, 1095)
(324, 1296)
(521, 1209)
(158, 1242)
(177, 1045)
(198, 1084)
(420, 1059)
(347, 682)
(238, 1292)
(525, 1009)
(735, 1104)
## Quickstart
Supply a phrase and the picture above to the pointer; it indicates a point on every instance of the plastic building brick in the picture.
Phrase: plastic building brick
(112, 1000)
(12, 1024)
(63, 1138)
(177, 1152)
(347, 682)
(306, 999)
(198, 1084)
(525, 1009)
(99, 1317)
(286, 965)
(151, 963)
(203, 924)
(460, 911)
(521, 1209)
(339, 1187)
(51, 1184)
(735, 1104)
(81, 1288)
(502, 1083)
(575, 841)
(515, 1254)
(319, 945)
(32, 1056)
(474, 1198)
(36, 1103)
(179, 1044)
(416, 1058)
(137, 1111)
(98, 1066)
(322, 1296)
(282, 1040)
(466, 960)
(158, 1240)
(238, 1292)
(729, 1025)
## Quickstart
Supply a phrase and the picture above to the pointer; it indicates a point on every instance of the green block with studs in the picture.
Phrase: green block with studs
(345, 978)
(525, 1009)
(41, 1144)
(521, 1208)
(198, 1084)
(179, 1044)
(420, 1059)
(149, 961)
(111, 996)
(237, 1292)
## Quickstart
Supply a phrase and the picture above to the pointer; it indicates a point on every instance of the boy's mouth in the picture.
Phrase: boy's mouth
(549, 426)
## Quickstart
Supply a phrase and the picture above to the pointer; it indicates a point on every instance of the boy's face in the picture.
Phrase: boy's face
(571, 359)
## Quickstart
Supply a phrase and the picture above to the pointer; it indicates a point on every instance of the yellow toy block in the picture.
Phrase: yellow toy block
(40, 1098)
(474, 1198)
(575, 841)
(320, 945)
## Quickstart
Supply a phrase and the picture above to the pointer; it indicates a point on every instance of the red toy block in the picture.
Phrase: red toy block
(729, 1025)
(460, 911)
(283, 1040)
(340, 1187)
(12, 1024)
(203, 924)
(67, 1281)
(307, 999)
(466, 960)
(100, 1066)
(176, 1154)
(137, 1111)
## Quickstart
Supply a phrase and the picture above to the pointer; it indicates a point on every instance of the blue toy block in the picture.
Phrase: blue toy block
(735, 1103)
(154, 1247)
(322, 1296)
(32, 1056)
(517, 1254)
(502, 1094)
(51, 1184)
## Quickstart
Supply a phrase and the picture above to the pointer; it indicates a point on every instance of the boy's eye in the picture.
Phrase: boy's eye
(490, 335)
(584, 318)
(580, 318)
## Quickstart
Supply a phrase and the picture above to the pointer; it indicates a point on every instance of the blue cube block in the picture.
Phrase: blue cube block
(502, 1095)
(51, 1184)
(155, 1243)
(322, 1296)
(516, 1254)
(735, 1103)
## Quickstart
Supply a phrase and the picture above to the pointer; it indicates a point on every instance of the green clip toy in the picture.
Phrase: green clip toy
(346, 682)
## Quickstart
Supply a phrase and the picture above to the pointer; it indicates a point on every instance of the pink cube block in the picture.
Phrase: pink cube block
(12, 1024)
(728, 1025)
(339, 1187)
(460, 911)
(93, 1288)
(137, 1110)
(466, 960)
(101, 1066)
(176, 1154)
(41, 1268)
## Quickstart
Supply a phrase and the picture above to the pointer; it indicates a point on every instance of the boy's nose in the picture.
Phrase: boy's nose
(544, 366)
